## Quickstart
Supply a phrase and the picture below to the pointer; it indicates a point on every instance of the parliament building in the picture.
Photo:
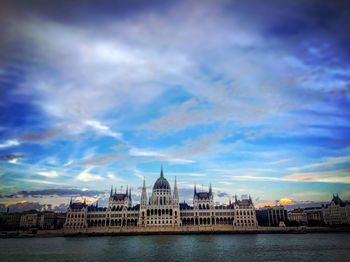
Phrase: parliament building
(161, 209)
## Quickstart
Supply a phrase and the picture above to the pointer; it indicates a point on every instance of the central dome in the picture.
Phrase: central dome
(161, 182)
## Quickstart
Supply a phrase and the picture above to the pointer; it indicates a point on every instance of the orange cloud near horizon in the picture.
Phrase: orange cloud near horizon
(282, 202)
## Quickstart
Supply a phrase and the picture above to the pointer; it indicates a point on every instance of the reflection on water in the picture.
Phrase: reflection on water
(275, 247)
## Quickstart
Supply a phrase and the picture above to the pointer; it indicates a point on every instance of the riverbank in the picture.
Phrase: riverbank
(193, 230)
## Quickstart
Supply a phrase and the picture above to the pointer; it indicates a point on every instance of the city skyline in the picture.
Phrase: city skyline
(230, 94)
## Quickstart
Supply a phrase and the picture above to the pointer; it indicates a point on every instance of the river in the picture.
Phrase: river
(245, 247)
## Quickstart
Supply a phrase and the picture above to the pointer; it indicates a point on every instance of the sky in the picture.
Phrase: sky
(252, 97)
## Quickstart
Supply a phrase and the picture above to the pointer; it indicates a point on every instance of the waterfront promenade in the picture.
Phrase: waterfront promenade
(169, 230)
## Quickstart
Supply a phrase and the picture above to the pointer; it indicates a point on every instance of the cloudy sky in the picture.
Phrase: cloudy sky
(250, 96)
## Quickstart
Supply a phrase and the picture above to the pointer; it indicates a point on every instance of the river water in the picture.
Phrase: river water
(259, 247)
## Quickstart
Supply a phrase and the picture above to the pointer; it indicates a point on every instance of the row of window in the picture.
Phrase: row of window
(245, 212)
(75, 215)
(163, 222)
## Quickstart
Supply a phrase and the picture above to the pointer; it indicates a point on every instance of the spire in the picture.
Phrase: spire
(71, 201)
(127, 190)
(115, 190)
(144, 183)
(130, 193)
(195, 189)
(111, 191)
(176, 193)
(161, 171)
(84, 201)
(210, 191)
(97, 204)
(144, 193)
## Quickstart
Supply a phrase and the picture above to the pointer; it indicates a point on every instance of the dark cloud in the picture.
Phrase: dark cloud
(9, 196)
(60, 192)
(40, 136)
(10, 157)
(81, 10)
(223, 194)
(25, 206)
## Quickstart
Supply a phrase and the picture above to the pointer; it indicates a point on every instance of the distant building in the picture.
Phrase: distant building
(51, 220)
(298, 216)
(29, 220)
(272, 216)
(60, 220)
(337, 212)
(3, 208)
(162, 208)
(10, 221)
(314, 216)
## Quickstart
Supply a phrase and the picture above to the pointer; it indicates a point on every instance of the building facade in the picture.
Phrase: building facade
(310, 216)
(337, 212)
(10, 221)
(29, 220)
(161, 208)
(272, 216)
(298, 216)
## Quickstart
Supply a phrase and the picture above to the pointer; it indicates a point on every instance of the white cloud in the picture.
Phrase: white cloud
(115, 178)
(44, 182)
(50, 174)
(68, 163)
(337, 176)
(86, 176)
(139, 174)
(328, 162)
(186, 174)
(157, 155)
(13, 160)
(281, 161)
(103, 129)
(9, 143)
(260, 178)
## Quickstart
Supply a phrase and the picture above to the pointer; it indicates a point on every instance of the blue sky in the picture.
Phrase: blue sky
(251, 97)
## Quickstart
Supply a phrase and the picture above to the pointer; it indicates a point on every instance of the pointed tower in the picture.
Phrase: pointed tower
(161, 171)
(71, 201)
(144, 194)
(210, 190)
(176, 194)
(111, 191)
(130, 201)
